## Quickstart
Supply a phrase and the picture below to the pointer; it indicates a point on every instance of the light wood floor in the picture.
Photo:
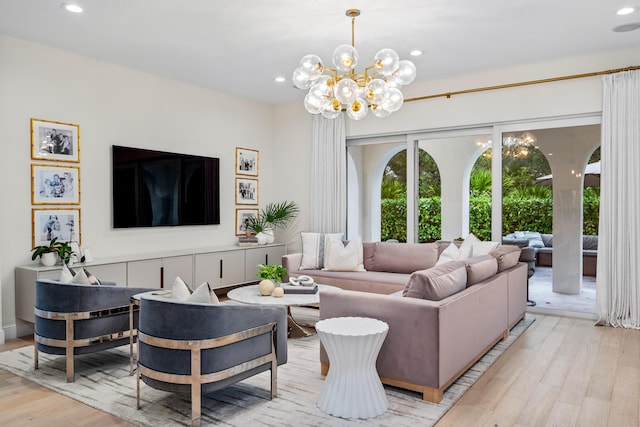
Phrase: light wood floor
(561, 372)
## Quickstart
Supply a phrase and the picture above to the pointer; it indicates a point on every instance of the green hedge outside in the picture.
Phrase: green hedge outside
(533, 214)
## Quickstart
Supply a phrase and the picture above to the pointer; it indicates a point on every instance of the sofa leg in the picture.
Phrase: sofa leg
(324, 368)
(433, 395)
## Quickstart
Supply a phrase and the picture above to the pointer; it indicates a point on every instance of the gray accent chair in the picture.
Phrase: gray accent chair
(71, 319)
(199, 348)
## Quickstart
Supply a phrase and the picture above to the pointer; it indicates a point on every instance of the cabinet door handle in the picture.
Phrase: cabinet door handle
(266, 259)
(221, 269)
(162, 277)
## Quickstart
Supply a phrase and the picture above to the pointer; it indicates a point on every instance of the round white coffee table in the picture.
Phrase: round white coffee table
(352, 388)
(250, 295)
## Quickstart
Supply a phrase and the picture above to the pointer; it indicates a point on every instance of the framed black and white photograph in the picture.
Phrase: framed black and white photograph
(246, 161)
(52, 185)
(242, 219)
(55, 141)
(246, 191)
(47, 223)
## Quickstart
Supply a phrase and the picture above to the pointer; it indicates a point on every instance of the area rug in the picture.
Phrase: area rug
(103, 382)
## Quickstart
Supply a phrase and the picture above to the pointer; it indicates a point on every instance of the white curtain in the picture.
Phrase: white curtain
(328, 175)
(618, 281)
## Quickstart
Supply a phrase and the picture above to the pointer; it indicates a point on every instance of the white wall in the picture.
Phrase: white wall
(115, 105)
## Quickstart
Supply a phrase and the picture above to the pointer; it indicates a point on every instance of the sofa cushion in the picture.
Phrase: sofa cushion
(506, 255)
(403, 257)
(547, 239)
(344, 257)
(480, 268)
(438, 282)
(313, 245)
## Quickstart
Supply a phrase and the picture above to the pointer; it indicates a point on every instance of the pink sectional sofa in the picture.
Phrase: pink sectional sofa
(430, 342)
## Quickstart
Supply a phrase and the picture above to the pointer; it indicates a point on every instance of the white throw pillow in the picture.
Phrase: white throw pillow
(483, 248)
(203, 294)
(80, 278)
(313, 248)
(341, 257)
(180, 290)
(66, 276)
(455, 253)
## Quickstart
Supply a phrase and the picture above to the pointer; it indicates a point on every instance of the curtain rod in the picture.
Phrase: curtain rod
(527, 83)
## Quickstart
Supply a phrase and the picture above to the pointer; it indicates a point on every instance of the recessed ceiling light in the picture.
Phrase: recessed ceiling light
(416, 52)
(72, 7)
(625, 11)
(280, 79)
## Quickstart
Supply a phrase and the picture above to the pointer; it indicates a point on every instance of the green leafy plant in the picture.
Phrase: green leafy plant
(274, 215)
(273, 271)
(63, 249)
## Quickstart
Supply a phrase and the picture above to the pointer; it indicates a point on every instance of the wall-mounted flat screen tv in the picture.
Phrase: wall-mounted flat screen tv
(156, 188)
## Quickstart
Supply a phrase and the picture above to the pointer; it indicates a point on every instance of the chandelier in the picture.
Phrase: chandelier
(333, 89)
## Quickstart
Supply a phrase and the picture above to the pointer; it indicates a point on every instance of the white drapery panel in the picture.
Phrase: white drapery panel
(328, 175)
(618, 280)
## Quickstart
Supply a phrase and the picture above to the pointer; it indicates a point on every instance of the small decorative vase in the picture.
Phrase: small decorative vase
(48, 259)
(270, 235)
(262, 238)
(278, 292)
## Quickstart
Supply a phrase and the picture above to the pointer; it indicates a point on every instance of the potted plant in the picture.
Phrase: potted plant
(271, 218)
(50, 253)
(273, 272)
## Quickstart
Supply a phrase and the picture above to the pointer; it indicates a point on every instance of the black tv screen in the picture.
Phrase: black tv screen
(156, 188)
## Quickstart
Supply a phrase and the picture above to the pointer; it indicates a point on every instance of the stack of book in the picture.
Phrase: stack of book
(291, 289)
(247, 241)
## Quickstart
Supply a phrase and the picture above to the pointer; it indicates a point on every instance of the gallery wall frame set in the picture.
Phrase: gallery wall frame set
(55, 182)
(56, 141)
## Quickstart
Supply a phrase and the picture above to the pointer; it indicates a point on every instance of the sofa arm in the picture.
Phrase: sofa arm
(292, 262)
(409, 352)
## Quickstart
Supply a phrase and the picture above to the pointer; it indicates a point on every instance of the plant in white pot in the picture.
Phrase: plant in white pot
(50, 253)
(274, 216)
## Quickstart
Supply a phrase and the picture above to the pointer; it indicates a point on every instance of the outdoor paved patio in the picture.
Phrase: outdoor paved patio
(540, 291)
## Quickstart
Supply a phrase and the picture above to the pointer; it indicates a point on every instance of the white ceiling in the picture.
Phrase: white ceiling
(239, 46)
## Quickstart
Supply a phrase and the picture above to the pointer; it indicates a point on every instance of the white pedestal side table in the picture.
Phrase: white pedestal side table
(352, 388)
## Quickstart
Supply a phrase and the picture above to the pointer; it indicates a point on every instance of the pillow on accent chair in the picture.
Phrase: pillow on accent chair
(437, 283)
(313, 248)
(66, 274)
(202, 294)
(344, 256)
(81, 278)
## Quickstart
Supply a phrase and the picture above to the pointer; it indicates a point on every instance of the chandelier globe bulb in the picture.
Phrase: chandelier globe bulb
(346, 91)
(358, 109)
(312, 65)
(345, 58)
(405, 74)
(301, 79)
(386, 61)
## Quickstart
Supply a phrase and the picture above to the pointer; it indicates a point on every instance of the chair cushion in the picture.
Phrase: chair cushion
(438, 282)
